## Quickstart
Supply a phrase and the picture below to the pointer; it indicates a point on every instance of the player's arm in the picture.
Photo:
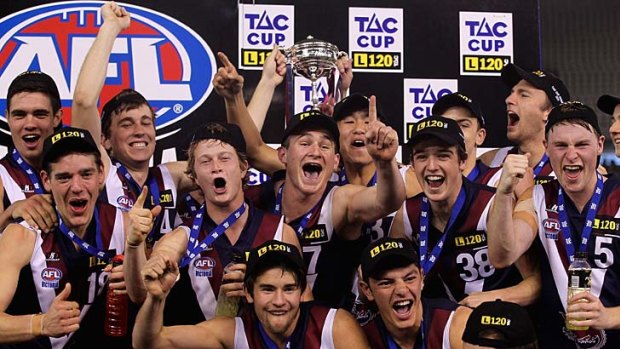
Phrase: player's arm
(93, 73)
(274, 70)
(159, 276)
(511, 228)
(397, 229)
(347, 333)
(457, 326)
(228, 84)
(363, 204)
(183, 183)
(36, 210)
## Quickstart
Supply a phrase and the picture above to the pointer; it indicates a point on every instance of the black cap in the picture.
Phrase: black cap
(68, 140)
(312, 121)
(225, 132)
(607, 103)
(572, 110)
(508, 322)
(551, 84)
(385, 254)
(458, 99)
(437, 126)
(351, 104)
(127, 96)
(35, 81)
(273, 249)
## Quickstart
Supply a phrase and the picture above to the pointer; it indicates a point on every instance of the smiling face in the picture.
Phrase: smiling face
(614, 129)
(527, 108)
(573, 150)
(132, 136)
(31, 119)
(276, 297)
(310, 160)
(352, 138)
(74, 181)
(397, 294)
(219, 172)
(438, 169)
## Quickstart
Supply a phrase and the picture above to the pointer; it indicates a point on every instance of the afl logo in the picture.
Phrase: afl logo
(552, 228)
(157, 55)
(125, 202)
(204, 266)
(51, 274)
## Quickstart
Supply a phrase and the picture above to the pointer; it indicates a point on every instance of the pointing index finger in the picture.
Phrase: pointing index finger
(372, 109)
(224, 59)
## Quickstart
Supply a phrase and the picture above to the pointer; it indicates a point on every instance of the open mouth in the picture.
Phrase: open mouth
(572, 171)
(312, 170)
(434, 181)
(402, 307)
(219, 183)
(78, 205)
(513, 119)
(358, 143)
(31, 139)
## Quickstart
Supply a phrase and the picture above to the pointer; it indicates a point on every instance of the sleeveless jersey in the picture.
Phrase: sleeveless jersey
(194, 297)
(17, 183)
(314, 329)
(436, 320)
(463, 267)
(491, 178)
(118, 192)
(54, 262)
(603, 250)
(331, 261)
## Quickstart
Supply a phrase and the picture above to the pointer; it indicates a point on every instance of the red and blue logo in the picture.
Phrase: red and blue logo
(160, 57)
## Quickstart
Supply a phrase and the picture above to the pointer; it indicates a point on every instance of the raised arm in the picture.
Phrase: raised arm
(347, 333)
(369, 204)
(93, 73)
(228, 84)
(274, 70)
(512, 227)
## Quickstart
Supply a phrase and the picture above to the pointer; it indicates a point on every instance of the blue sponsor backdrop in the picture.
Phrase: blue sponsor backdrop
(429, 34)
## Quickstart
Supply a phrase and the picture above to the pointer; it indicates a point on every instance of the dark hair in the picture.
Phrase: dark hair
(492, 333)
(128, 99)
(276, 263)
(48, 166)
(34, 81)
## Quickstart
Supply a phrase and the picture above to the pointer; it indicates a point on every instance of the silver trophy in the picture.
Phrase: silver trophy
(313, 59)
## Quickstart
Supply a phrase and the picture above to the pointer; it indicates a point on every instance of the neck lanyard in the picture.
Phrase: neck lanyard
(191, 203)
(193, 247)
(32, 174)
(587, 228)
(90, 249)
(268, 341)
(474, 173)
(345, 181)
(541, 164)
(304, 221)
(427, 264)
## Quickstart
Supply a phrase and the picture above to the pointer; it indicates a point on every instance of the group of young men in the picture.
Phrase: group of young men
(443, 253)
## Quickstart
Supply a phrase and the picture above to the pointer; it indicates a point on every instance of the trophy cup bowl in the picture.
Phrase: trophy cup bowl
(313, 59)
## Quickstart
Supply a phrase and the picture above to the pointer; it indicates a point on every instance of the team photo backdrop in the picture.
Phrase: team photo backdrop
(407, 53)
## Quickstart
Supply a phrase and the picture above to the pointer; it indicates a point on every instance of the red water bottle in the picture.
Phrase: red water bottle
(115, 324)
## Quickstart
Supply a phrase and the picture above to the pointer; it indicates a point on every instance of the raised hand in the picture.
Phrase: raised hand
(381, 140)
(159, 275)
(141, 220)
(344, 64)
(63, 316)
(227, 82)
(274, 67)
(114, 14)
(515, 168)
(37, 211)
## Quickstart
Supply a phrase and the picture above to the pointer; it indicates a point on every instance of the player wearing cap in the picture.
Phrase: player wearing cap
(449, 220)
(33, 111)
(327, 218)
(499, 324)
(225, 227)
(127, 132)
(274, 283)
(609, 105)
(51, 280)
(531, 98)
(576, 212)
